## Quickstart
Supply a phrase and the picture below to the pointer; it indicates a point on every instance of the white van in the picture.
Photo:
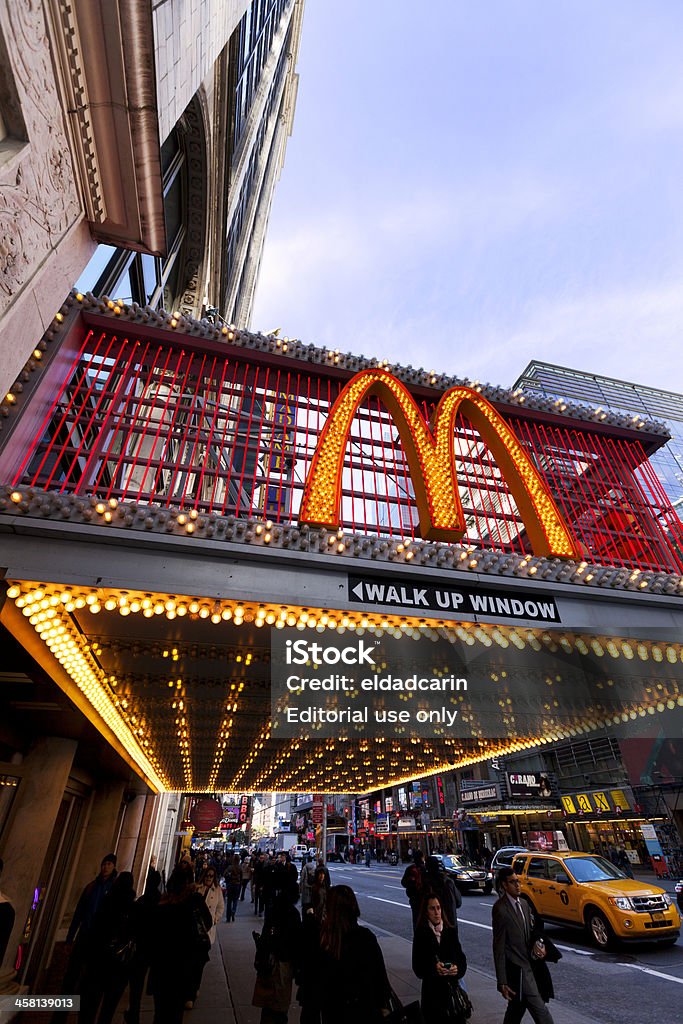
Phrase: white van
(299, 851)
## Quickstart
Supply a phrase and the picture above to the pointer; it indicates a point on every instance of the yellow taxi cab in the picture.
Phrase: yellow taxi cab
(589, 892)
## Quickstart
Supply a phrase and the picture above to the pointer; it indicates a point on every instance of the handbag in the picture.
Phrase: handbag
(200, 935)
(552, 953)
(122, 950)
(264, 961)
(459, 1003)
(410, 1013)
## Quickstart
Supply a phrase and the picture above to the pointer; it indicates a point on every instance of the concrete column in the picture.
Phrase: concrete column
(45, 774)
(129, 835)
(100, 836)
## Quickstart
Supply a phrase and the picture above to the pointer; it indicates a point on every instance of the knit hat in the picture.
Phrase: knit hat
(110, 857)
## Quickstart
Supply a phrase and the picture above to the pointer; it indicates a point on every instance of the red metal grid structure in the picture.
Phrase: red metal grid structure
(146, 416)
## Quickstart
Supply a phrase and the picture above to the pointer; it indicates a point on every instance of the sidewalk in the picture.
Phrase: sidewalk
(229, 981)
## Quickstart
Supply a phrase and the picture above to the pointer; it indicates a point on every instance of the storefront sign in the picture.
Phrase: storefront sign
(431, 458)
(441, 797)
(595, 803)
(382, 824)
(244, 809)
(620, 800)
(480, 795)
(470, 601)
(206, 814)
(406, 824)
(523, 785)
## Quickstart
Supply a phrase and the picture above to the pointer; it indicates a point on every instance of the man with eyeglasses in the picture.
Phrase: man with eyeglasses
(513, 951)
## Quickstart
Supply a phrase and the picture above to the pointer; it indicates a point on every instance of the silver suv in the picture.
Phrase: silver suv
(504, 857)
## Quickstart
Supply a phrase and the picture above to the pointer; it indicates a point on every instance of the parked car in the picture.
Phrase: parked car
(588, 891)
(468, 877)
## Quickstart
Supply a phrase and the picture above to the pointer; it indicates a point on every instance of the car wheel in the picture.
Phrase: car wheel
(600, 931)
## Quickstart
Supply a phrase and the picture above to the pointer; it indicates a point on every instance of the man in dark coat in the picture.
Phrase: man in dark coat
(81, 925)
(414, 882)
(443, 886)
(514, 949)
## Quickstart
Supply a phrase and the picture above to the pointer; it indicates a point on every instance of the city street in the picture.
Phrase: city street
(609, 987)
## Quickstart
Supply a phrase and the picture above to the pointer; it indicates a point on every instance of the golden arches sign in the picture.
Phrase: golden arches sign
(430, 452)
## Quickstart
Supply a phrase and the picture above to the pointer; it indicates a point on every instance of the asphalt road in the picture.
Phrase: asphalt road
(637, 984)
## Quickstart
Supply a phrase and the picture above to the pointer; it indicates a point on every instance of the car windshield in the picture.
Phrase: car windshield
(449, 861)
(593, 869)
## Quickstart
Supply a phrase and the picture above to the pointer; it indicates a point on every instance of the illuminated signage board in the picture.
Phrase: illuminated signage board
(522, 785)
(431, 459)
(480, 795)
(612, 801)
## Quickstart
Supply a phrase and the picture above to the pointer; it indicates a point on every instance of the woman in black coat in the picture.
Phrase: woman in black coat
(279, 950)
(438, 960)
(179, 940)
(352, 979)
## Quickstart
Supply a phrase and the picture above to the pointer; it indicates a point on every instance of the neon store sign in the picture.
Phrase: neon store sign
(430, 452)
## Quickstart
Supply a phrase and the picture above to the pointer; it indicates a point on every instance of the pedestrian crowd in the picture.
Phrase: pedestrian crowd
(158, 943)
(310, 945)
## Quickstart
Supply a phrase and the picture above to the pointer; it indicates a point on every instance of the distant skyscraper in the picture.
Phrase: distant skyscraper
(614, 395)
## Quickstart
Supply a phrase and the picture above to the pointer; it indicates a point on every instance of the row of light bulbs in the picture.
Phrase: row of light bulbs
(46, 607)
(48, 614)
(264, 533)
(174, 321)
(32, 601)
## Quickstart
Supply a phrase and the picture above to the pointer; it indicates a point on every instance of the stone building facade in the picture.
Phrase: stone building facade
(154, 129)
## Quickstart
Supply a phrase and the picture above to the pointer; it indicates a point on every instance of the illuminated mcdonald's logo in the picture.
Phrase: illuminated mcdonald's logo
(430, 452)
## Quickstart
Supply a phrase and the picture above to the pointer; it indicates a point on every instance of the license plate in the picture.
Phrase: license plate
(658, 915)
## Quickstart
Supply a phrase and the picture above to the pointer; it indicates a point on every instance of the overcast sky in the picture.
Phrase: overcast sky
(471, 185)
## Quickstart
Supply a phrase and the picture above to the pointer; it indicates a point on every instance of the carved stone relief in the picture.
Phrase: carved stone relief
(39, 199)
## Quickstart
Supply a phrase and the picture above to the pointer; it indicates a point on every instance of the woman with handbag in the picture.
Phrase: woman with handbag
(180, 940)
(278, 954)
(352, 978)
(210, 891)
(439, 961)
